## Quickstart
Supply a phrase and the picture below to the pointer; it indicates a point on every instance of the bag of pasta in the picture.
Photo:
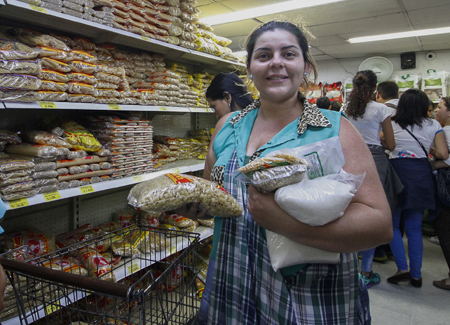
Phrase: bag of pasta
(38, 242)
(171, 191)
(269, 173)
(96, 264)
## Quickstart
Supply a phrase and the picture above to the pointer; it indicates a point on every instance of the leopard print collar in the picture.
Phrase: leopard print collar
(311, 115)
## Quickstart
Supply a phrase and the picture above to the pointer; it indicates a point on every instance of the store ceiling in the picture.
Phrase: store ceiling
(333, 24)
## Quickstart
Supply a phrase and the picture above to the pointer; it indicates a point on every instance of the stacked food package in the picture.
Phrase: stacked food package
(188, 97)
(169, 149)
(129, 141)
(171, 21)
(200, 84)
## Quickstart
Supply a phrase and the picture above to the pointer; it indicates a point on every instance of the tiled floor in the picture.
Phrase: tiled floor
(406, 305)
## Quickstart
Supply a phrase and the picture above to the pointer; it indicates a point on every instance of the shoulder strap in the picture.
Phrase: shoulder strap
(421, 145)
(391, 105)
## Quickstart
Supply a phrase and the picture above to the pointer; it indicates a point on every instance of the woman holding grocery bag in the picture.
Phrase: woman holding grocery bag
(245, 287)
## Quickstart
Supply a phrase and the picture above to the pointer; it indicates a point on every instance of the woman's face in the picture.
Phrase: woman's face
(277, 65)
(441, 112)
(220, 107)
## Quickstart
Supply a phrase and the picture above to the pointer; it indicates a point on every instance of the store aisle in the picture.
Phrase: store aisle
(405, 305)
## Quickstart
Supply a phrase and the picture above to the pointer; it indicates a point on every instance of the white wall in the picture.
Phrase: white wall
(338, 70)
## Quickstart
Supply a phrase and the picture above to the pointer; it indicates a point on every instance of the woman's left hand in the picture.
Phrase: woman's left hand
(265, 211)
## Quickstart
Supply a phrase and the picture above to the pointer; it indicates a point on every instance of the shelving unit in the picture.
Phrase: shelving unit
(64, 210)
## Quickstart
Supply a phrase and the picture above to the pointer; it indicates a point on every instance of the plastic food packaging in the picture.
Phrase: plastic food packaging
(38, 150)
(82, 77)
(11, 49)
(56, 65)
(45, 174)
(96, 264)
(80, 98)
(18, 195)
(33, 38)
(38, 242)
(177, 220)
(47, 74)
(42, 137)
(80, 88)
(27, 67)
(80, 161)
(269, 173)
(44, 166)
(73, 154)
(19, 81)
(125, 217)
(45, 182)
(171, 191)
(18, 187)
(53, 85)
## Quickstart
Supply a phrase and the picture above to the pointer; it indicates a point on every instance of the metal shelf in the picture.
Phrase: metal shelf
(180, 166)
(52, 20)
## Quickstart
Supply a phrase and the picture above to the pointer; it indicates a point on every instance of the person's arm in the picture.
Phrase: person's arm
(388, 139)
(366, 223)
(2, 287)
(440, 150)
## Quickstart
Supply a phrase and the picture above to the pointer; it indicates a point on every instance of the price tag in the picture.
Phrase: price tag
(47, 104)
(114, 106)
(87, 189)
(20, 203)
(145, 38)
(36, 8)
(161, 108)
(133, 268)
(138, 179)
(51, 196)
(172, 250)
(52, 308)
(176, 170)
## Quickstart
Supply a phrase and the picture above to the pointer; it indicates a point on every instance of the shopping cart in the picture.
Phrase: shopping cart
(149, 287)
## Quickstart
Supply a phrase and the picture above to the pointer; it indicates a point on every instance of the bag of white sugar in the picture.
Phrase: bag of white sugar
(321, 200)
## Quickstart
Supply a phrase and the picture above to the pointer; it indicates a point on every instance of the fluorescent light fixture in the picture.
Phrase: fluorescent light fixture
(413, 33)
(264, 10)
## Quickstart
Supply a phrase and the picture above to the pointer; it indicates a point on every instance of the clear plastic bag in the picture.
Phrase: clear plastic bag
(171, 191)
(20, 66)
(18, 81)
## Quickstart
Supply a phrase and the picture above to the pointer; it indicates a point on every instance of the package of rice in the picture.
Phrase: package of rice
(171, 191)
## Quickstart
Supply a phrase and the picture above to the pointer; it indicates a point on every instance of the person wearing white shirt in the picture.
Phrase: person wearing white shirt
(410, 162)
(387, 94)
(369, 118)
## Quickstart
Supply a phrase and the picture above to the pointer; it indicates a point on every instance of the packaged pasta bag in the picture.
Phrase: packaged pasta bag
(96, 265)
(275, 171)
(171, 191)
(150, 219)
(147, 241)
(65, 264)
(38, 242)
(177, 220)
(122, 247)
(125, 217)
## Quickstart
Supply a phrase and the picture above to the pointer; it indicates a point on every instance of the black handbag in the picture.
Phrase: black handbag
(443, 185)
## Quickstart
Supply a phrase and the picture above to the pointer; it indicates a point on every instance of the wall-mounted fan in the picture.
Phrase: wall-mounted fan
(382, 67)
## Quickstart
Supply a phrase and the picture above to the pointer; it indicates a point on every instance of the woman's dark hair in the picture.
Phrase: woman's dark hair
(364, 84)
(446, 101)
(335, 106)
(297, 31)
(323, 102)
(412, 108)
(232, 84)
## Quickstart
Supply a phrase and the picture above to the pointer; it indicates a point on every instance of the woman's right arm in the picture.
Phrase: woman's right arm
(441, 149)
(388, 140)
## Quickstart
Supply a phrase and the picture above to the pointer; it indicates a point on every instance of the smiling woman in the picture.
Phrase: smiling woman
(243, 286)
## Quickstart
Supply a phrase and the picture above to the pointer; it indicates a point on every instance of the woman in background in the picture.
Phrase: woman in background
(442, 223)
(369, 117)
(410, 161)
(227, 93)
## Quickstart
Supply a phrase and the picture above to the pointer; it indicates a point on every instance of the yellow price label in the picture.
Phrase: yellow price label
(52, 308)
(20, 203)
(87, 189)
(172, 250)
(176, 170)
(145, 38)
(161, 108)
(47, 104)
(36, 8)
(138, 179)
(114, 106)
(133, 268)
(50, 196)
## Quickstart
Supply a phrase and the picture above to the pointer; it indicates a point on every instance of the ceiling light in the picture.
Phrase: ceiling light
(413, 33)
(264, 10)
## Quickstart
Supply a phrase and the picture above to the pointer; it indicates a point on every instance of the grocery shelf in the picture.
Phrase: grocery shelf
(103, 107)
(180, 166)
(120, 273)
(46, 18)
